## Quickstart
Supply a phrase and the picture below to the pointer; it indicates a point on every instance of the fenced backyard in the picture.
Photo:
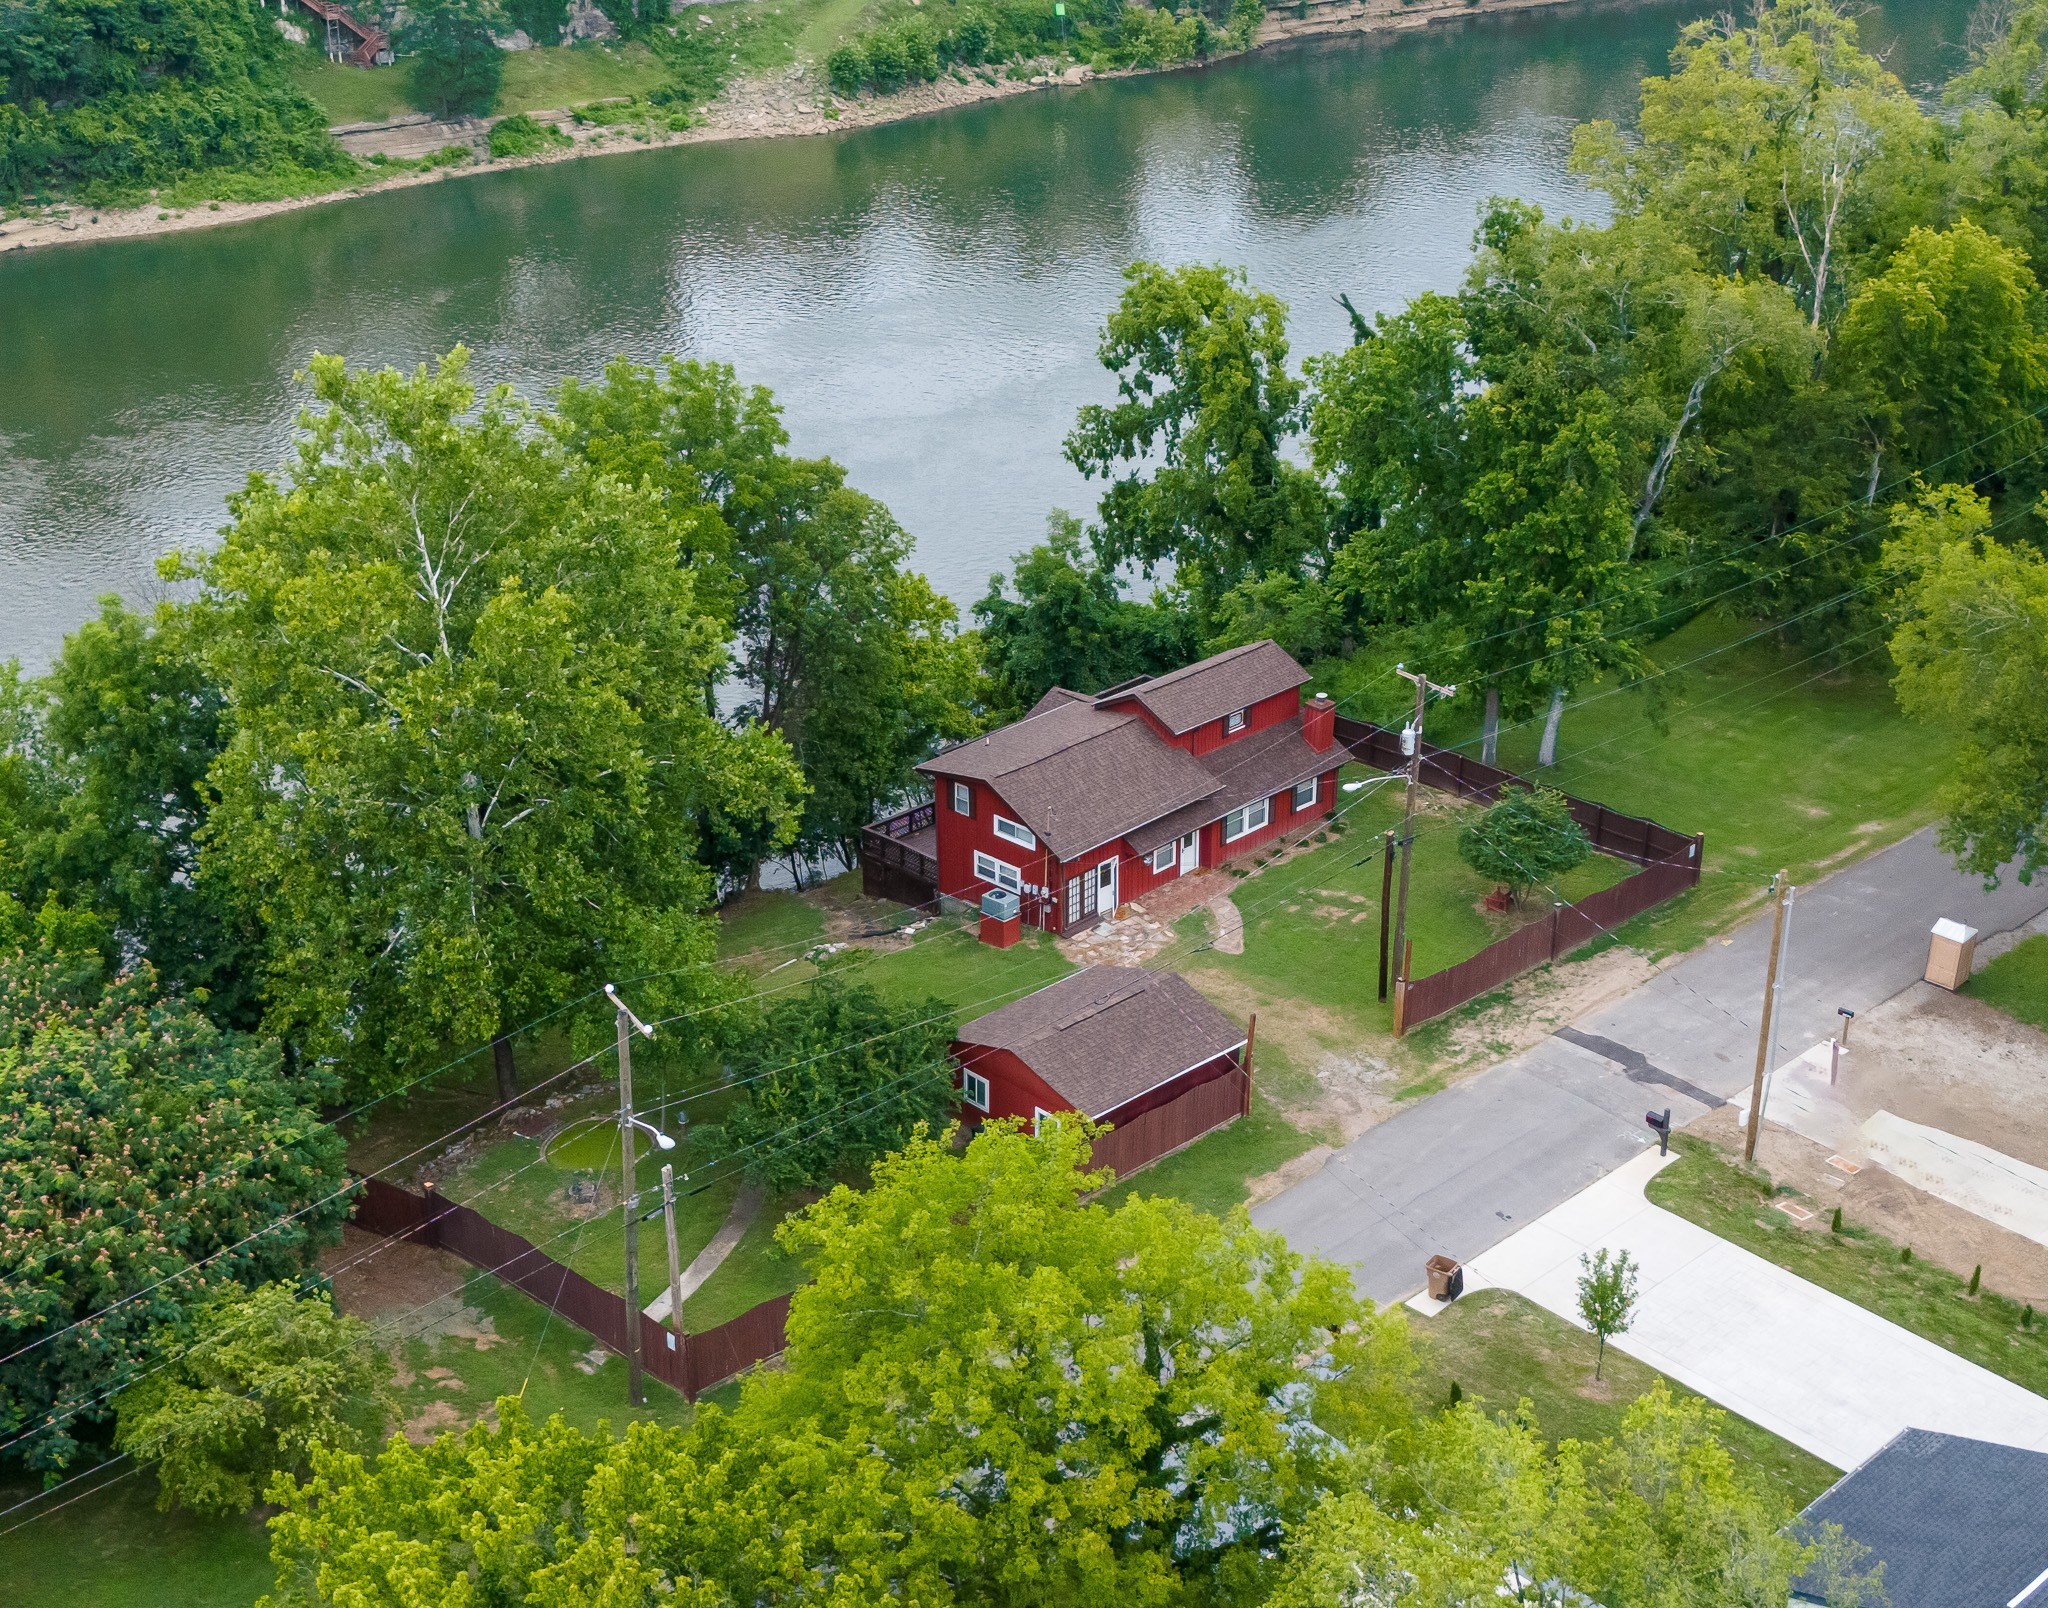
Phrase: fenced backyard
(1181, 1121)
(1670, 863)
(694, 1366)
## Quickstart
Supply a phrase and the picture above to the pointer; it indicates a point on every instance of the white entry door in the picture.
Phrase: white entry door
(1105, 887)
(1190, 852)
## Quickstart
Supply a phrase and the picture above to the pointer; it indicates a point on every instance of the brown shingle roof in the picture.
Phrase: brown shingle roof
(1217, 686)
(1079, 776)
(1251, 767)
(1108, 1034)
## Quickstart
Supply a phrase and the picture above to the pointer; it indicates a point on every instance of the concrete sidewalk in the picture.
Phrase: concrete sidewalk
(1800, 1361)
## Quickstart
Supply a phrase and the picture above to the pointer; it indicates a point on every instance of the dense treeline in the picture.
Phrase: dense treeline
(107, 100)
(1816, 303)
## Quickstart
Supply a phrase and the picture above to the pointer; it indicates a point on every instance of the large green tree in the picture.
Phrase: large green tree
(1971, 646)
(456, 64)
(1070, 625)
(833, 1078)
(470, 754)
(995, 1392)
(120, 734)
(147, 1160)
(841, 649)
(1194, 447)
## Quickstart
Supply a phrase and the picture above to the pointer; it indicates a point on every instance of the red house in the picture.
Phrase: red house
(1140, 1050)
(1089, 802)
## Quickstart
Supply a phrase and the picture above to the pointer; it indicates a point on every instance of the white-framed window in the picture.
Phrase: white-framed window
(1162, 857)
(1234, 721)
(1040, 1117)
(963, 799)
(1014, 833)
(1243, 822)
(1305, 795)
(974, 1090)
(1000, 872)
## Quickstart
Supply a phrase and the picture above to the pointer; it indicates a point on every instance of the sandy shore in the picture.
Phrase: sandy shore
(774, 106)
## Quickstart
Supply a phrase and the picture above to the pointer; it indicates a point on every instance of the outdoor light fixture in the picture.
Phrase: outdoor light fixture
(661, 1140)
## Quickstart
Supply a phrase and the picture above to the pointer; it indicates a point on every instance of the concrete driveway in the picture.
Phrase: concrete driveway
(1801, 1361)
(1462, 1170)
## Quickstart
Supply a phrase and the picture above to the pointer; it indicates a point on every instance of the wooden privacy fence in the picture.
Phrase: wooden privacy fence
(702, 1360)
(1626, 837)
(1670, 860)
(1182, 1120)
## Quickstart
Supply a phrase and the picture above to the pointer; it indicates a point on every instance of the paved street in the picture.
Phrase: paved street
(1758, 1340)
(1466, 1168)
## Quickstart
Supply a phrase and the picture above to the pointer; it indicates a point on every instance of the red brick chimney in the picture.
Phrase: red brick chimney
(1319, 722)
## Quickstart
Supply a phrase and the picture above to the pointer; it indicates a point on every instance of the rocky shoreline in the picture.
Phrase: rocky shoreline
(780, 105)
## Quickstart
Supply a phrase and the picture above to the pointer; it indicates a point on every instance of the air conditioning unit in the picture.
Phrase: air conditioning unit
(999, 904)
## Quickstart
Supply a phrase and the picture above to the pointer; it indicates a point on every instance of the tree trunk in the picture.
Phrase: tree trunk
(1547, 754)
(1489, 738)
(1599, 1356)
(508, 1074)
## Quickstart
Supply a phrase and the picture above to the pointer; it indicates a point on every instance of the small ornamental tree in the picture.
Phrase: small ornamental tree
(1607, 1297)
(268, 1377)
(834, 1078)
(147, 1160)
(1527, 838)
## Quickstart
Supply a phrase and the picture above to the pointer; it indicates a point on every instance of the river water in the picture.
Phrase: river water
(924, 298)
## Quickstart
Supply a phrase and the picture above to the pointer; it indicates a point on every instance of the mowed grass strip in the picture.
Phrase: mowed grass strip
(2017, 982)
(1858, 1265)
(1501, 1349)
(1782, 756)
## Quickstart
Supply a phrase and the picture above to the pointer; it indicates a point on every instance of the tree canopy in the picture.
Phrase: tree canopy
(147, 1160)
(471, 752)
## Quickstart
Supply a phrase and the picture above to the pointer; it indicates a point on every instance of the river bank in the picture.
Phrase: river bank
(792, 103)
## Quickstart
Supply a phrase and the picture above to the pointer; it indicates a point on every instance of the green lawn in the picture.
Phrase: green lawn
(1500, 1349)
(1212, 1173)
(112, 1549)
(356, 94)
(2017, 982)
(768, 927)
(1312, 924)
(540, 80)
(1858, 1265)
(1780, 759)
(758, 1270)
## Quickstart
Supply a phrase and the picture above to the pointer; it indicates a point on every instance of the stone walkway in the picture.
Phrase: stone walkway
(746, 1207)
(1804, 1363)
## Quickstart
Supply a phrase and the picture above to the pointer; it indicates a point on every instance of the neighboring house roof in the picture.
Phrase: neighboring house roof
(1107, 1034)
(1956, 1523)
(1217, 686)
(1081, 773)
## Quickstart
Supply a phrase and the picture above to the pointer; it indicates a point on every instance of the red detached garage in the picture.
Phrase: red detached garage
(1140, 1050)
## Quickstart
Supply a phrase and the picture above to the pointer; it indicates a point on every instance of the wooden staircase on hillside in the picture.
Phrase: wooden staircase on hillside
(348, 39)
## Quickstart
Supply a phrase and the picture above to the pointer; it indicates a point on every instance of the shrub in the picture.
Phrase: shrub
(520, 135)
(1527, 838)
(847, 67)
(887, 68)
(267, 1378)
(920, 53)
(974, 38)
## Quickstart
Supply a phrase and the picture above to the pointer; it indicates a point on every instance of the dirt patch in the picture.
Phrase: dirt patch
(434, 1419)
(1539, 1002)
(375, 1278)
(1953, 1063)
(1875, 1199)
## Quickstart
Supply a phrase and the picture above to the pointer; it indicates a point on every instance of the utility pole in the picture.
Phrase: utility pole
(1386, 907)
(1764, 1028)
(636, 1390)
(1412, 741)
(675, 1267)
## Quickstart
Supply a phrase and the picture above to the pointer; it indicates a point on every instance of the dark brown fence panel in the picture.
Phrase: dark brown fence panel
(387, 1210)
(1565, 929)
(736, 1345)
(1180, 1121)
(1626, 837)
